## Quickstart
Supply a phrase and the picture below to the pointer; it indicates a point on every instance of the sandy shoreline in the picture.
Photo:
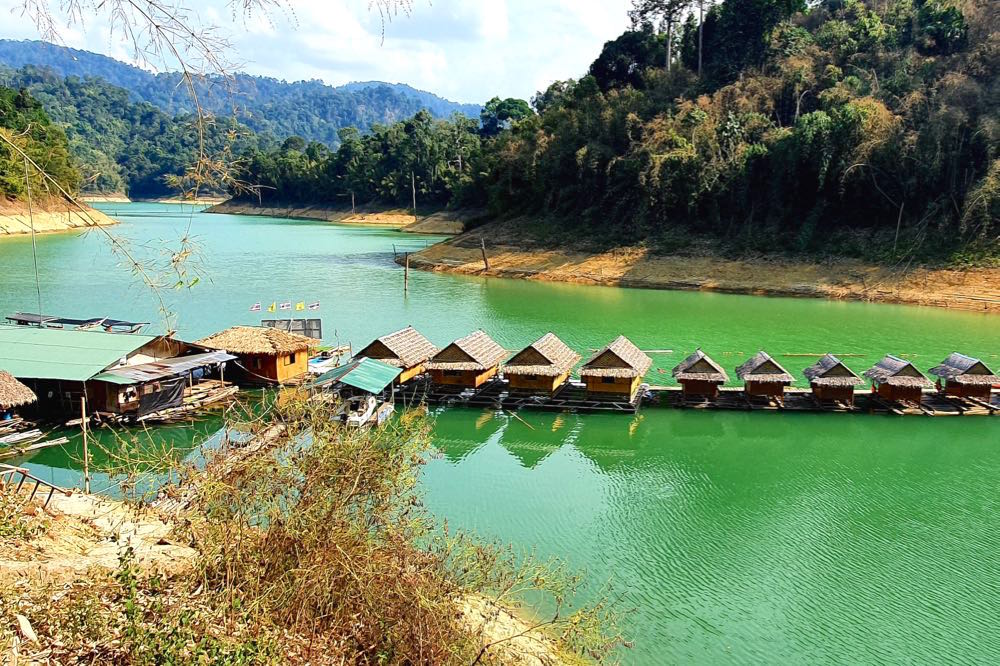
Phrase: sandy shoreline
(51, 217)
(439, 222)
(975, 289)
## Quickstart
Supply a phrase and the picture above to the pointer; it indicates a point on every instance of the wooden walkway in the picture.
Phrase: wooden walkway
(573, 397)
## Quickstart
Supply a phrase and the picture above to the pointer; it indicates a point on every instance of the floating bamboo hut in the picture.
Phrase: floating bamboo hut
(266, 355)
(965, 377)
(897, 380)
(616, 370)
(13, 394)
(468, 362)
(763, 376)
(831, 380)
(405, 349)
(542, 367)
(700, 376)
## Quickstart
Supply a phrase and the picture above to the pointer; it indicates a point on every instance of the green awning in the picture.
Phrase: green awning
(29, 352)
(364, 374)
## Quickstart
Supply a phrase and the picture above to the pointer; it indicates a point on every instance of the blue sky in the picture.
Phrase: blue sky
(466, 50)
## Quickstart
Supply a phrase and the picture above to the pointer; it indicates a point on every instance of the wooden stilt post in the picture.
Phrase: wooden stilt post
(482, 244)
(86, 448)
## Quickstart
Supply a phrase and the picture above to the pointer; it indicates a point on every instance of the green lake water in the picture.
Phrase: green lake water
(733, 537)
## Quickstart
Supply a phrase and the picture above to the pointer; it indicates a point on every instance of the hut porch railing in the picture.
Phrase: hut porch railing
(10, 475)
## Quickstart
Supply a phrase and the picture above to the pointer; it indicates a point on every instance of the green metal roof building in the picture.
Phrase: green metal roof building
(29, 352)
(364, 374)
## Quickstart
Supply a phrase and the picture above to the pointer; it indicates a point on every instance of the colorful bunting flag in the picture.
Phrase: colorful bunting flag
(314, 306)
(272, 306)
(287, 305)
(301, 305)
(255, 307)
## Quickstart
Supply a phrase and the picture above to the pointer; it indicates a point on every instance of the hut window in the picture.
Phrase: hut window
(290, 359)
(607, 380)
(257, 363)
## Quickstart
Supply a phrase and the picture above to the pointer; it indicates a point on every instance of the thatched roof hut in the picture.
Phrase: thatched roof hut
(831, 372)
(475, 352)
(894, 371)
(259, 340)
(406, 348)
(13, 393)
(962, 369)
(547, 356)
(698, 367)
(620, 359)
(762, 369)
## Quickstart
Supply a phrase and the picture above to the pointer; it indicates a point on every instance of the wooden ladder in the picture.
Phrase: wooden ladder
(9, 475)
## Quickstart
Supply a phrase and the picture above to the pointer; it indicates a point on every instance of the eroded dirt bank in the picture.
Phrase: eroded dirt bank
(438, 222)
(48, 217)
(844, 279)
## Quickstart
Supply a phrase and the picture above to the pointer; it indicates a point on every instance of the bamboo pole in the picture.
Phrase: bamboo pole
(86, 449)
(406, 274)
(482, 245)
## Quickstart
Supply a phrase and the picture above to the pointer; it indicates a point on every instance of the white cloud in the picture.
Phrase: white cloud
(461, 49)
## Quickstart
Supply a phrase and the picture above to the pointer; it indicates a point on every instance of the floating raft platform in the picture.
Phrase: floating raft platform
(572, 397)
(496, 394)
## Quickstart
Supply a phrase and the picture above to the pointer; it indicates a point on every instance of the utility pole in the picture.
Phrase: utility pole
(352, 204)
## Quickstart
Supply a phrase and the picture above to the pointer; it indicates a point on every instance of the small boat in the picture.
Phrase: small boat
(363, 411)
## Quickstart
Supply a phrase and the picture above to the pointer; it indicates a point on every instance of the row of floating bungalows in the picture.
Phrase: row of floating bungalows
(617, 369)
(543, 367)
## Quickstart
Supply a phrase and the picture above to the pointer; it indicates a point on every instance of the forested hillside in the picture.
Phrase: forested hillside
(24, 123)
(846, 128)
(122, 146)
(310, 109)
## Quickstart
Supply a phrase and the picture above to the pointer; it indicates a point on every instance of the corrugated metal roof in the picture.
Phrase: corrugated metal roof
(365, 374)
(70, 355)
(148, 372)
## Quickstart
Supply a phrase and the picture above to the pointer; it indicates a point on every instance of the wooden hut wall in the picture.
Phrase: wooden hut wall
(620, 386)
(699, 387)
(769, 389)
(537, 383)
(981, 391)
(264, 368)
(409, 373)
(841, 393)
(900, 393)
(466, 378)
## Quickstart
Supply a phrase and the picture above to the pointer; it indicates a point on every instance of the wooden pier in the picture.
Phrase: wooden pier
(573, 397)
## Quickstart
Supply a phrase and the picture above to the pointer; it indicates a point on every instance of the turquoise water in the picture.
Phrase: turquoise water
(733, 537)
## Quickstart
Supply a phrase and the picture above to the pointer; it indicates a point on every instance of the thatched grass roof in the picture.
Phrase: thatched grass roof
(831, 371)
(13, 393)
(406, 348)
(761, 368)
(699, 367)
(620, 359)
(259, 340)
(894, 371)
(963, 369)
(547, 356)
(476, 351)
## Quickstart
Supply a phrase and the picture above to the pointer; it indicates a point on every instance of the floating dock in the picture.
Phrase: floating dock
(573, 397)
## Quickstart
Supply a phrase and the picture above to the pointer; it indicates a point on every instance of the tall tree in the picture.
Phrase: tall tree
(666, 13)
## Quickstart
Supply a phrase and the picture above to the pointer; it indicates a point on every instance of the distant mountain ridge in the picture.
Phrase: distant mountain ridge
(310, 109)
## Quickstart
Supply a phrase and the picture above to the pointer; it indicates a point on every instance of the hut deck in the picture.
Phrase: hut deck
(571, 397)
